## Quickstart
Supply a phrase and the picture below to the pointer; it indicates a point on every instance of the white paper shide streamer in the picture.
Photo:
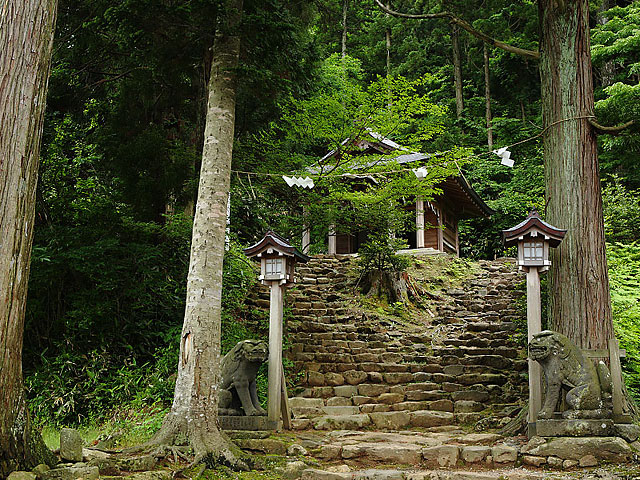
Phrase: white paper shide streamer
(306, 182)
(420, 172)
(505, 155)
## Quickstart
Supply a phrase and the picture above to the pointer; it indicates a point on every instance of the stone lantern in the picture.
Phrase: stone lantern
(533, 237)
(277, 263)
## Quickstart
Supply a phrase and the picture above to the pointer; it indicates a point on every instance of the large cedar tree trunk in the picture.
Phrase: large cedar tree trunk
(194, 412)
(579, 300)
(26, 37)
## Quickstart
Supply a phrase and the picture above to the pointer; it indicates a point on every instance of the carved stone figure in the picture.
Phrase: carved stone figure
(565, 368)
(239, 369)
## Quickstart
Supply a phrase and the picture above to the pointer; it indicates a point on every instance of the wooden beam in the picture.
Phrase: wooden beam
(284, 405)
(332, 239)
(419, 222)
(534, 325)
(275, 352)
(616, 376)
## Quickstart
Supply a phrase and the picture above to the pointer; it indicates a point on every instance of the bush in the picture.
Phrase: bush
(378, 254)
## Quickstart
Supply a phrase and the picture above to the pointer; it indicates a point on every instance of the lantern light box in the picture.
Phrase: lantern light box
(277, 258)
(533, 236)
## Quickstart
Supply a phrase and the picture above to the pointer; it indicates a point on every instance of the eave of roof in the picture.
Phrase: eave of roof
(273, 239)
(512, 235)
(469, 197)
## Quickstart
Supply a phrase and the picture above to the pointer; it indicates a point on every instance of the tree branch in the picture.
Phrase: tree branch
(533, 54)
(609, 130)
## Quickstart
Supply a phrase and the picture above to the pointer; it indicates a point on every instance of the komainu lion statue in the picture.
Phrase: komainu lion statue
(567, 369)
(239, 369)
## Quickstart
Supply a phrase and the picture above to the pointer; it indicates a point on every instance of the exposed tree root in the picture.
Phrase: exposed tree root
(210, 447)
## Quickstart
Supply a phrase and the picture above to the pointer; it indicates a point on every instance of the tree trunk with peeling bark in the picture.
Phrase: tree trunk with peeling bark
(580, 305)
(26, 38)
(487, 96)
(194, 413)
(457, 69)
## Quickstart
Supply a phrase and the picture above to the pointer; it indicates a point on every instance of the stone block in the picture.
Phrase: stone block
(442, 455)
(345, 391)
(430, 418)
(554, 462)
(575, 428)
(334, 379)
(138, 463)
(390, 420)
(474, 453)
(21, 475)
(269, 446)
(315, 379)
(330, 452)
(588, 461)
(468, 406)
(339, 402)
(395, 378)
(533, 460)
(443, 405)
(480, 438)
(360, 400)
(569, 464)
(301, 423)
(342, 422)
(612, 449)
(629, 431)
(338, 410)
(354, 377)
(387, 452)
(472, 395)
(70, 445)
(375, 377)
(72, 473)
(410, 406)
(504, 453)
(369, 390)
(390, 398)
(301, 402)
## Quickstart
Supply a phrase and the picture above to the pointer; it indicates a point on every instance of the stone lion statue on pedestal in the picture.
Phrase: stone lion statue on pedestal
(239, 367)
(566, 369)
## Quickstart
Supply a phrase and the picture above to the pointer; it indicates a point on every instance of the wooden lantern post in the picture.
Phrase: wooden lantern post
(277, 261)
(533, 237)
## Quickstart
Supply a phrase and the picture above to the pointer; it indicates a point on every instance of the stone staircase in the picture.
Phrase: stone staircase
(455, 361)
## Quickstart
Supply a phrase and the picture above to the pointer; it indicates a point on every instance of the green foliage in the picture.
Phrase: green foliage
(621, 212)
(379, 254)
(624, 265)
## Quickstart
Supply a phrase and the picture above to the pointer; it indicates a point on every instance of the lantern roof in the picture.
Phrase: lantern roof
(533, 223)
(276, 242)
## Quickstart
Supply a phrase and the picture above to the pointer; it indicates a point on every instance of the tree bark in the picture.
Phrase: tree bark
(487, 96)
(608, 72)
(387, 35)
(345, 6)
(457, 69)
(194, 413)
(26, 38)
(579, 300)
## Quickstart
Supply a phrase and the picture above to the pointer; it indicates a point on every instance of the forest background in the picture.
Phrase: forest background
(122, 147)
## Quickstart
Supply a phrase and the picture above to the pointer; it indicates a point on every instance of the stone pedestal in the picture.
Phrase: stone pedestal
(575, 428)
(243, 422)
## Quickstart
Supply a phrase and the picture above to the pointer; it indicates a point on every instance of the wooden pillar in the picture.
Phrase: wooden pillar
(439, 231)
(306, 232)
(275, 352)
(419, 222)
(332, 239)
(534, 325)
(616, 378)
